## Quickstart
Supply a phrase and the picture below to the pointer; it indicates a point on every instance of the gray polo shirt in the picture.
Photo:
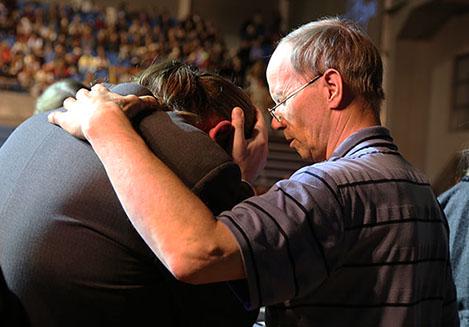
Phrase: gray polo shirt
(357, 240)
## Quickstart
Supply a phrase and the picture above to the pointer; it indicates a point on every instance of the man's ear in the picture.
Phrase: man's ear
(222, 133)
(337, 97)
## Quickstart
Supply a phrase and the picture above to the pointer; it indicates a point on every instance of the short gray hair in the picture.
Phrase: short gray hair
(340, 44)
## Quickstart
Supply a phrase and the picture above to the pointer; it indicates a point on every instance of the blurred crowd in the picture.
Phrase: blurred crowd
(44, 42)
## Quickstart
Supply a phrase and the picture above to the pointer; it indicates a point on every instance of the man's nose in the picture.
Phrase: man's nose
(277, 124)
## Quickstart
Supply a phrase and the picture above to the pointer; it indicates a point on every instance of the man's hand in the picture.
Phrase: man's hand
(95, 105)
(250, 155)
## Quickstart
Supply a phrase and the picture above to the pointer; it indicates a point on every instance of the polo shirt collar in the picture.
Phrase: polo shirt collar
(357, 138)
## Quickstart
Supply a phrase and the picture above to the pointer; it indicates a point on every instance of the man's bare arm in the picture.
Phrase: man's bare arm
(176, 225)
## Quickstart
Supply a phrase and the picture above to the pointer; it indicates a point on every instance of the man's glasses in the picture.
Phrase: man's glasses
(291, 95)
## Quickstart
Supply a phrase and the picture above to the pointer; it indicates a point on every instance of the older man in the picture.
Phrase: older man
(355, 239)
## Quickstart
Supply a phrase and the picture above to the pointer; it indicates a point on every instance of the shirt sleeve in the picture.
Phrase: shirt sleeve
(288, 237)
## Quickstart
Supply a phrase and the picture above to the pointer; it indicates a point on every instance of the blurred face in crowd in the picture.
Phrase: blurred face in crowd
(304, 118)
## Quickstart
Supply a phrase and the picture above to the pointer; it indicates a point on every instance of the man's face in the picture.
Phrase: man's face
(305, 118)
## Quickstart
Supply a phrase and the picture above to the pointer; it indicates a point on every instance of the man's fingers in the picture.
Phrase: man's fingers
(82, 93)
(55, 117)
(99, 88)
(237, 120)
(149, 100)
(127, 98)
(69, 102)
(133, 105)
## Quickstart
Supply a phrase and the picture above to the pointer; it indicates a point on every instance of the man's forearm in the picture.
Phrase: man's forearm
(176, 225)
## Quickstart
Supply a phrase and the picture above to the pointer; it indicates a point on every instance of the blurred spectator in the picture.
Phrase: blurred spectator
(455, 203)
(5, 58)
(45, 42)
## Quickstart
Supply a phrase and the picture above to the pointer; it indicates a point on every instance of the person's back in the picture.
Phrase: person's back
(67, 248)
(66, 244)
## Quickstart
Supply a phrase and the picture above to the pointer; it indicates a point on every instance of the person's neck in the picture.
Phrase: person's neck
(356, 116)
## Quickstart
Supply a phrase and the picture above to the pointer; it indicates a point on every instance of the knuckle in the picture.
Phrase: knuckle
(98, 87)
(51, 117)
(81, 93)
(82, 90)
(68, 101)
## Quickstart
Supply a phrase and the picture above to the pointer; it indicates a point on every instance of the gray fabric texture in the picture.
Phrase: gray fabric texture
(69, 252)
